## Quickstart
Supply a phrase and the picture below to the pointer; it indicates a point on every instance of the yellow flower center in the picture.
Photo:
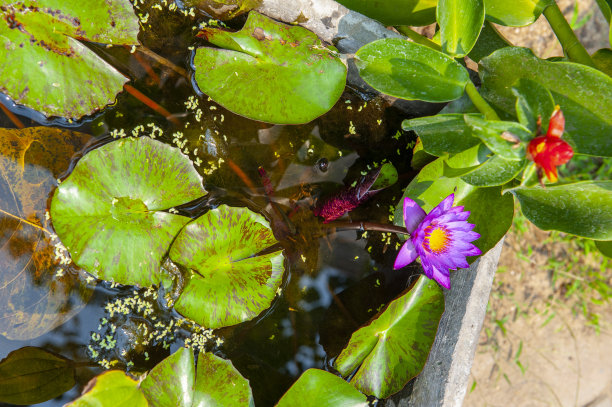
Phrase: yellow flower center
(540, 147)
(436, 238)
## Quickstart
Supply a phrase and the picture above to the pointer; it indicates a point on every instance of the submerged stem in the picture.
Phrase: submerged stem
(574, 50)
(25, 221)
(12, 117)
(164, 61)
(479, 102)
(369, 226)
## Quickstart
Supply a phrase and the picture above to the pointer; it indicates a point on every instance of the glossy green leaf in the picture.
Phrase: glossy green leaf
(602, 59)
(584, 94)
(495, 171)
(516, 13)
(270, 71)
(171, 382)
(606, 8)
(32, 375)
(443, 133)
(605, 247)
(219, 383)
(394, 347)
(492, 134)
(411, 71)
(533, 101)
(386, 177)
(582, 208)
(397, 12)
(430, 187)
(460, 23)
(110, 212)
(489, 40)
(50, 69)
(38, 292)
(322, 389)
(111, 389)
(228, 284)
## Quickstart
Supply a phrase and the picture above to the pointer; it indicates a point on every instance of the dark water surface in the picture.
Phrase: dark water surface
(333, 283)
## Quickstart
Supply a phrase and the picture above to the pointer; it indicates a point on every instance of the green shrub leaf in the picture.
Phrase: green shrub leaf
(397, 12)
(516, 13)
(583, 93)
(582, 208)
(460, 23)
(492, 134)
(443, 133)
(411, 71)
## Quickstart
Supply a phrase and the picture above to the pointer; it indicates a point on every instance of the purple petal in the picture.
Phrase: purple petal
(443, 206)
(406, 255)
(459, 226)
(473, 251)
(413, 214)
(442, 278)
(470, 236)
(427, 267)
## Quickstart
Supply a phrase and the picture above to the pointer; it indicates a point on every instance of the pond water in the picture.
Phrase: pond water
(334, 280)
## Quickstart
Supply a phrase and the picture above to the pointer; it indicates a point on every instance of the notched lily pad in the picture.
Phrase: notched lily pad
(394, 347)
(269, 71)
(32, 375)
(110, 213)
(46, 66)
(111, 388)
(229, 284)
(38, 291)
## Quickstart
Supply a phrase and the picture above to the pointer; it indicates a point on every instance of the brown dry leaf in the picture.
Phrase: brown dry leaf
(37, 293)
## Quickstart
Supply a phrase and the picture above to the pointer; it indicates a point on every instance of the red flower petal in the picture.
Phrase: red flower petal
(556, 124)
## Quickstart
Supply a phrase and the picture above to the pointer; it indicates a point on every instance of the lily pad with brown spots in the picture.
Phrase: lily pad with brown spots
(112, 214)
(269, 71)
(45, 65)
(229, 283)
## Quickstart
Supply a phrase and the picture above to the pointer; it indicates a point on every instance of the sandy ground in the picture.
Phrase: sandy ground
(537, 347)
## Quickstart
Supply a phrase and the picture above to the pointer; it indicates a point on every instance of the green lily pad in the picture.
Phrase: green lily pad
(411, 71)
(491, 132)
(516, 13)
(50, 69)
(394, 347)
(110, 212)
(113, 388)
(582, 208)
(322, 389)
(397, 12)
(229, 284)
(430, 187)
(219, 383)
(443, 133)
(32, 375)
(270, 71)
(175, 382)
(583, 93)
(460, 23)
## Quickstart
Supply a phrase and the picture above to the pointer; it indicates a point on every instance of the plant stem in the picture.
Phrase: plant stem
(151, 103)
(574, 50)
(479, 102)
(12, 117)
(25, 221)
(164, 61)
(418, 38)
(370, 226)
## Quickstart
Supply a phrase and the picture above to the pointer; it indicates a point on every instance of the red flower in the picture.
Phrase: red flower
(549, 151)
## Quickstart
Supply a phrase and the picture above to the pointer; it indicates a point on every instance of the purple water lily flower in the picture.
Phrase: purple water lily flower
(441, 238)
